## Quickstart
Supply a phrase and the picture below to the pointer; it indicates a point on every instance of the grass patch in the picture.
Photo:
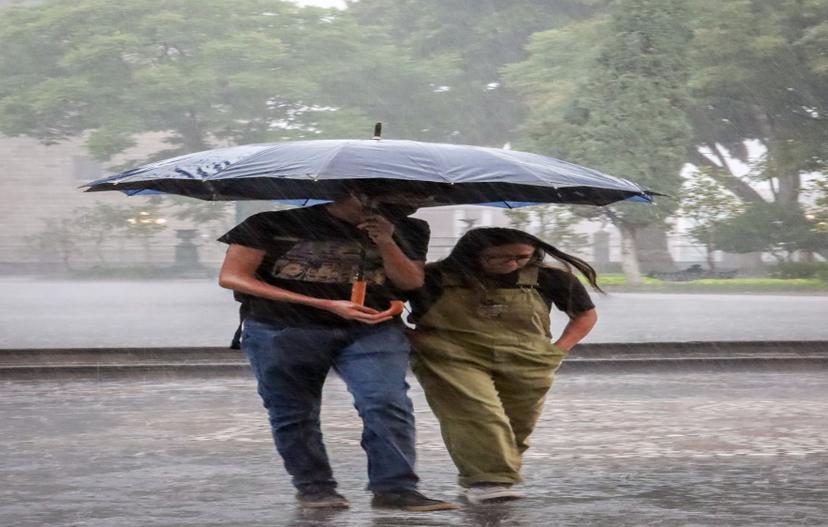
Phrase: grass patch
(618, 282)
(138, 273)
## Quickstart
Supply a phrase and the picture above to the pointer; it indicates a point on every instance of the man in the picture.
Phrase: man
(294, 269)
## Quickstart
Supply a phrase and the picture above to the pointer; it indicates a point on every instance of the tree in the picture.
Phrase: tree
(98, 224)
(817, 211)
(553, 224)
(472, 41)
(205, 72)
(708, 206)
(771, 227)
(58, 239)
(205, 216)
(142, 222)
(626, 115)
(68, 236)
(760, 74)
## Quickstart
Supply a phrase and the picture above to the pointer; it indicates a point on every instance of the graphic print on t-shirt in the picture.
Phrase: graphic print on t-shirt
(329, 261)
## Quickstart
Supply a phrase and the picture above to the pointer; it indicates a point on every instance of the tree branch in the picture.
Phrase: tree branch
(724, 176)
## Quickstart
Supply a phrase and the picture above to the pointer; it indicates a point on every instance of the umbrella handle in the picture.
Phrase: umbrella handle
(358, 289)
(395, 309)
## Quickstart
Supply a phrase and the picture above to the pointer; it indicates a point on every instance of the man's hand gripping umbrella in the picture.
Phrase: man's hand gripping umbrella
(380, 231)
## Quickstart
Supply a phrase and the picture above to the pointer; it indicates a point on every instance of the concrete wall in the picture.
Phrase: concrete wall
(42, 182)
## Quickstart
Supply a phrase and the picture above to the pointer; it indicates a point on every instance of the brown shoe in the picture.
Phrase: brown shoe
(409, 500)
(322, 499)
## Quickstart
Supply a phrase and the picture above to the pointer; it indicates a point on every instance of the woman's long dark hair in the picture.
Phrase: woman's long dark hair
(464, 259)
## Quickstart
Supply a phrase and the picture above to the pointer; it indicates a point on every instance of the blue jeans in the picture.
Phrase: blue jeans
(291, 364)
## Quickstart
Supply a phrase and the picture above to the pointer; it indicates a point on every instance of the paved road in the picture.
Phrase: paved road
(47, 314)
(748, 449)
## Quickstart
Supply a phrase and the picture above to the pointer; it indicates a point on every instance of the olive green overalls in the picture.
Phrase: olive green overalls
(486, 361)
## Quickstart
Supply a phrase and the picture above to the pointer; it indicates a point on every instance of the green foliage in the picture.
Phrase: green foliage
(66, 237)
(759, 73)
(817, 209)
(475, 41)
(618, 280)
(775, 228)
(757, 285)
(208, 217)
(708, 205)
(626, 114)
(553, 224)
(205, 72)
(799, 270)
(557, 64)
(631, 87)
(709, 285)
(141, 221)
(55, 240)
(745, 70)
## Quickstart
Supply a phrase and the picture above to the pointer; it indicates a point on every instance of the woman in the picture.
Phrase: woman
(483, 350)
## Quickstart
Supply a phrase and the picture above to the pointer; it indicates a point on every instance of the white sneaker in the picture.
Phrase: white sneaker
(491, 493)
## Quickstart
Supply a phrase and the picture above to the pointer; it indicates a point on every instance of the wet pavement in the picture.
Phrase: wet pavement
(98, 314)
(612, 449)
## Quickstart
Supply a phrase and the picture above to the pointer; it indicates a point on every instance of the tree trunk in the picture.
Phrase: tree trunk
(192, 134)
(789, 189)
(711, 262)
(629, 259)
(651, 248)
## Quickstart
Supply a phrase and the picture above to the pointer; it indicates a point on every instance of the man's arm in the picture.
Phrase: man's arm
(403, 272)
(578, 327)
(238, 272)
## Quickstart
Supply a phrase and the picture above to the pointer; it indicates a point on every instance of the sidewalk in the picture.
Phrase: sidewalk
(666, 449)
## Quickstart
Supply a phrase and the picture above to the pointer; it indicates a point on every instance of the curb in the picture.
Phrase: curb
(211, 362)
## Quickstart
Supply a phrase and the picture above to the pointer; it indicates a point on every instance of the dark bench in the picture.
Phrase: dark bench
(694, 272)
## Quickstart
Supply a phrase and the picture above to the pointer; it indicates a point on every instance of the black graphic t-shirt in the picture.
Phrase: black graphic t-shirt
(310, 251)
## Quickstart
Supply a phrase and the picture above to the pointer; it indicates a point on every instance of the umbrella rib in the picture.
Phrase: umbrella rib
(245, 159)
(567, 168)
(329, 159)
(437, 153)
(229, 165)
(528, 167)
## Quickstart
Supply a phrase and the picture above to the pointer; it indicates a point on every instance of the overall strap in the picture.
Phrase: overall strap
(528, 276)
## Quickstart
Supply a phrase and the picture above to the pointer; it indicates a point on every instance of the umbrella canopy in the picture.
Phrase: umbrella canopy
(325, 169)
